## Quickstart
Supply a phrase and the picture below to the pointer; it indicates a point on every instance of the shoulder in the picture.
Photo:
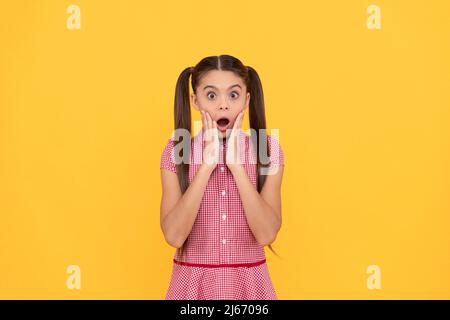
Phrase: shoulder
(167, 157)
(169, 143)
(276, 152)
(273, 149)
(273, 140)
(168, 149)
(274, 143)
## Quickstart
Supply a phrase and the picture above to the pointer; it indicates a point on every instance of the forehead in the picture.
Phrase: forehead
(220, 79)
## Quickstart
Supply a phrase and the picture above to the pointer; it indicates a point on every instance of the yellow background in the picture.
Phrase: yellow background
(363, 118)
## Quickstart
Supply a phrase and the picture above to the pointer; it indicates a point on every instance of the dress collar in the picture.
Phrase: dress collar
(198, 145)
(198, 138)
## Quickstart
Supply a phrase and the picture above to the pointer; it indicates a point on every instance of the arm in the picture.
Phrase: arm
(178, 212)
(263, 210)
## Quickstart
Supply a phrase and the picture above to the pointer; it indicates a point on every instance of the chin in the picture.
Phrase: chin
(223, 134)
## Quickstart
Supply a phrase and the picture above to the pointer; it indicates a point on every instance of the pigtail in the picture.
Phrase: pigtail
(257, 117)
(182, 120)
(182, 112)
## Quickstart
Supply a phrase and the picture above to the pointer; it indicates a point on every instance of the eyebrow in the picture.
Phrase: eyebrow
(210, 86)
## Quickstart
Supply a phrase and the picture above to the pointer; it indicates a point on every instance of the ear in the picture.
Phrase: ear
(194, 101)
(247, 99)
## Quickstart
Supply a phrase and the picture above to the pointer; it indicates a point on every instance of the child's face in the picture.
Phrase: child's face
(223, 95)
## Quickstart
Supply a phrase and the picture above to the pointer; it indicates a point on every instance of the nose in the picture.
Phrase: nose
(223, 103)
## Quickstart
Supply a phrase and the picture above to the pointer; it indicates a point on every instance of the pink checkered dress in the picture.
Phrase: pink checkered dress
(221, 258)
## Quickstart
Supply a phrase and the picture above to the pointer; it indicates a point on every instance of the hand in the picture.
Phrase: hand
(211, 138)
(233, 154)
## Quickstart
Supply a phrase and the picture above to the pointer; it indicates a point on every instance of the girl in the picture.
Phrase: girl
(222, 203)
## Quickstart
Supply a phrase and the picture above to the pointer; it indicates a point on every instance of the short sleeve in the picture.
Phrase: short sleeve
(276, 155)
(167, 157)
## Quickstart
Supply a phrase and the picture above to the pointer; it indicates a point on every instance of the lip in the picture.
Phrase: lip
(223, 129)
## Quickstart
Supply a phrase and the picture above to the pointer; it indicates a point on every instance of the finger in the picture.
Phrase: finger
(203, 118)
(216, 132)
(206, 124)
(238, 121)
(241, 116)
(210, 125)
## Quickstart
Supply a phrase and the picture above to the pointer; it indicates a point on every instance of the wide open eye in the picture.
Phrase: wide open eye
(211, 95)
(234, 95)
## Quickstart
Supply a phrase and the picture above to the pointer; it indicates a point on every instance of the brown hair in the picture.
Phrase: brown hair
(182, 110)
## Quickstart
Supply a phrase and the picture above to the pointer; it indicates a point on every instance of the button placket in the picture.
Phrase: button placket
(223, 208)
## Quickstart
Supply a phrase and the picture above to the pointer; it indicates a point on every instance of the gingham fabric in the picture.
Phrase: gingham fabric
(221, 257)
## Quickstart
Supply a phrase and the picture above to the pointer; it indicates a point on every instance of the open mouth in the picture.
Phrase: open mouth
(222, 124)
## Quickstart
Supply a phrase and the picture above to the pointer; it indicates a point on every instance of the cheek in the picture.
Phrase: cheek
(205, 104)
(240, 100)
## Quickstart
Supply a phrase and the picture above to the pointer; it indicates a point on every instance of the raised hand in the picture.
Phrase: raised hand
(211, 138)
(233, 154)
